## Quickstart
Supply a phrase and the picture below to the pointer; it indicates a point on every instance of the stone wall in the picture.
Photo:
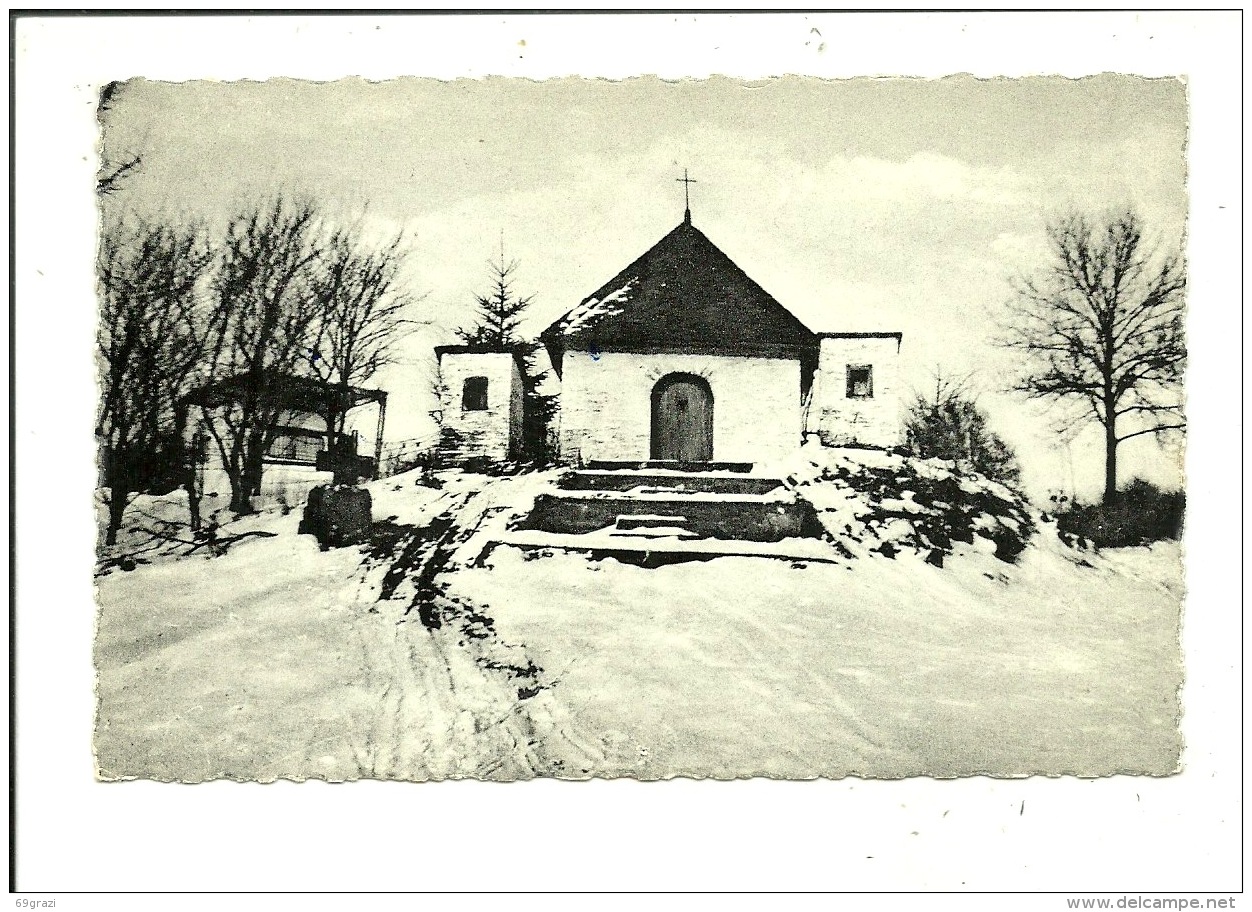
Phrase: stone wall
(496, 431)
(606, 404)
(840, 419)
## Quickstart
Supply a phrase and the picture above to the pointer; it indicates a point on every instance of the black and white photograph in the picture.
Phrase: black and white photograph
(780, 427)
(456, 429)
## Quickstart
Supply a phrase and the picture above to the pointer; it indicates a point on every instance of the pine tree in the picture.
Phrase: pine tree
(500, 312)
(499, 315)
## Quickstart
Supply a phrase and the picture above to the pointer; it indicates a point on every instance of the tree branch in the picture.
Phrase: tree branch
(1153, 430)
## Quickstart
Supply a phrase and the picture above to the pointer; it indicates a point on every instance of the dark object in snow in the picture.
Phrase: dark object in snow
(1140, 514)
(429, 616)
(935, 557)
(887, 549)
(127, 564)
(338, 515)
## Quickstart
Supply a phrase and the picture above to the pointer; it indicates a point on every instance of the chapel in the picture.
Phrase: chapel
(682, 359)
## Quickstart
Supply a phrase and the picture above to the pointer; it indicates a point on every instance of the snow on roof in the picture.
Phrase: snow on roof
(682, 290)
(593, 308)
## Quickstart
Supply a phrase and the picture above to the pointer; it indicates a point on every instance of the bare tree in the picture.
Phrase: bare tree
(363, 312)
(1101, 327)
(149, 351)
(113, 170)
(261, 331)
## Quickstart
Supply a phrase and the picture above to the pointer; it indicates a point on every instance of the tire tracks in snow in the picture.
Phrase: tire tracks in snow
(455, 701)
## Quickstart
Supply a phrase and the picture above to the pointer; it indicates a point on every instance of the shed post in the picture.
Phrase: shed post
(378, 436)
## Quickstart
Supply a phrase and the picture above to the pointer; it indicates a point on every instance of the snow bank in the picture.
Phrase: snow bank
(277, 659)
(877, 502)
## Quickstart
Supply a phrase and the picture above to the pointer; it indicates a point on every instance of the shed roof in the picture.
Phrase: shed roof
(287, 391)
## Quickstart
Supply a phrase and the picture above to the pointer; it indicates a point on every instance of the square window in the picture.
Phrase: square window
(860, 381)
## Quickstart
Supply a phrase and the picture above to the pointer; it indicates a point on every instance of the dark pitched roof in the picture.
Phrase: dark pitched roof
(682, 291)
(289, 391)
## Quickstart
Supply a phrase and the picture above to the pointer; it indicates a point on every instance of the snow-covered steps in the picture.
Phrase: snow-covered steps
(652, 526)
(671, 481)
(655, 533)
(630, 521)
(672, 465)
(746, 517)
(609, 542)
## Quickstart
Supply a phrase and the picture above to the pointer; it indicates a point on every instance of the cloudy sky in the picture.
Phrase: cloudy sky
(883, 204)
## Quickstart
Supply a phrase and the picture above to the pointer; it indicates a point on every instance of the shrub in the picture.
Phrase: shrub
(949, 425)
(1140, 513)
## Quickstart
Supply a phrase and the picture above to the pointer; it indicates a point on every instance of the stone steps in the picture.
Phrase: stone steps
(661, 551)
(745, 517)
(627, 521)
(655, 533)
(672, 465)
(654, 516)
(673, 482)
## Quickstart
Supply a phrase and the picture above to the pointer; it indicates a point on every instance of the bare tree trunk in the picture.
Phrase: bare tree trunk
(237, 472)
(1110, 463)
(240, 502)
(117, 510)
(191, 466)
(254, 467)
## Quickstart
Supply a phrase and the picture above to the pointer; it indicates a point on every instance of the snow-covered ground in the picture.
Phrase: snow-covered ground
(741, 667)
(279, 660)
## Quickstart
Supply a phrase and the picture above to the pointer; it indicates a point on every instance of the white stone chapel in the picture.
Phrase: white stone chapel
(682, 359)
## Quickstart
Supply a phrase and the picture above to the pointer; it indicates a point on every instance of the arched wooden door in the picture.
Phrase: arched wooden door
(682, 419)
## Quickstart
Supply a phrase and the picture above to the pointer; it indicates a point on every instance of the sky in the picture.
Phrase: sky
(867, 204)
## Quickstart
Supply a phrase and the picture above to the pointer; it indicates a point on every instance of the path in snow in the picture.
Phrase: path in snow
(277, 661)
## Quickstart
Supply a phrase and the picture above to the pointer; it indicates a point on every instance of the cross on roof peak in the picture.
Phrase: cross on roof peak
(686, 182)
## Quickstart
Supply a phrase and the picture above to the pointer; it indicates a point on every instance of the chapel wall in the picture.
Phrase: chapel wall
(516, 406)
(489, 432)
(606, 404)
(840, 419)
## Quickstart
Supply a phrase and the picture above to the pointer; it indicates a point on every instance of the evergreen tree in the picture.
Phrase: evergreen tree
(500, 312)
(499, 315)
